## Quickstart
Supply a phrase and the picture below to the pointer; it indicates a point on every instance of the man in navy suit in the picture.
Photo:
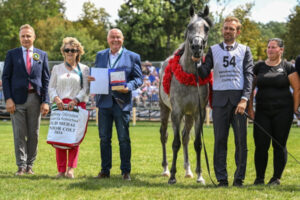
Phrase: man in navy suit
(25, 85)
(116, 106)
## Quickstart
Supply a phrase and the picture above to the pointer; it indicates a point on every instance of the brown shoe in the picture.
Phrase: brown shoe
(20, 171)
(29, 170)
(126, 177)
(102, 175)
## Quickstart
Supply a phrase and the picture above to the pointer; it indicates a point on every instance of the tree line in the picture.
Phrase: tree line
(153, 28)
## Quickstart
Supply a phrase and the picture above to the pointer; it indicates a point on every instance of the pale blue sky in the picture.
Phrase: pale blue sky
(263, 11)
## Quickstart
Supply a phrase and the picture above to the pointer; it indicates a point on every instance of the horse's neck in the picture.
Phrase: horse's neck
(186, 61)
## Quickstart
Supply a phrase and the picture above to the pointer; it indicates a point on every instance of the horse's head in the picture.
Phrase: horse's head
(197, 31)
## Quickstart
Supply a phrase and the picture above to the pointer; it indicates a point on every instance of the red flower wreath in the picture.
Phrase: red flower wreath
(175, 68)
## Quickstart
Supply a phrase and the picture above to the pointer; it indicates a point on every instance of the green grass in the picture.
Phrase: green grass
(147, 183)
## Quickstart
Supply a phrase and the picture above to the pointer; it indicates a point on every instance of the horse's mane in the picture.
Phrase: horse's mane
(180, 50)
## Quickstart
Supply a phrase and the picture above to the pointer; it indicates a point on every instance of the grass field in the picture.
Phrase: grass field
(147, 183)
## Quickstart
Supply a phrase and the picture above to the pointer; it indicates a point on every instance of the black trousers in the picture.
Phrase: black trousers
(223, 117)
(276, 122)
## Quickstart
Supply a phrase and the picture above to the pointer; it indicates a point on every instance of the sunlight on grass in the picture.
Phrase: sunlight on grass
(147, 182)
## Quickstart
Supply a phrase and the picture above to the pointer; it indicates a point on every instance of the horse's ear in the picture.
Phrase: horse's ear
(192, 11)
(206, 11)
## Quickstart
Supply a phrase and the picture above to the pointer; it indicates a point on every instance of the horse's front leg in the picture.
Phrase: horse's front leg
(176, 118)
(185, 143)
(198, 147)
(164, 118)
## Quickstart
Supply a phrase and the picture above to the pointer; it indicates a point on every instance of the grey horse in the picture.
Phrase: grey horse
(183, 100)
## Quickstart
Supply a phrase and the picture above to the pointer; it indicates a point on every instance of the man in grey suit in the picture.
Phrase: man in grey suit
(232, 65)
(25, 86)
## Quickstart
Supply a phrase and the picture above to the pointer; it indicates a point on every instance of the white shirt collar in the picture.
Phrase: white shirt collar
(116, 54)
(225, 45)
(25, 49)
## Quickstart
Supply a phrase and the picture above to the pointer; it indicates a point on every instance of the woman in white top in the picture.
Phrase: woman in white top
(69, 87)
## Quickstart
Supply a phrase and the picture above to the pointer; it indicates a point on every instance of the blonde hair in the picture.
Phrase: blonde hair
(27, 26)
(231, 18)
(75, 43)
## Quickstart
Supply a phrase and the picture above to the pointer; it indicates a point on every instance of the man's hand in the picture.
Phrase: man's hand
(44, 109)
(124, 90)
(10, 106)
(240, 109)
(90, 78)
(195, 59)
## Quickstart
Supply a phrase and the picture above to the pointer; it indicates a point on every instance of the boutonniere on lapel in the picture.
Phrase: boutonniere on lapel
(36, 57)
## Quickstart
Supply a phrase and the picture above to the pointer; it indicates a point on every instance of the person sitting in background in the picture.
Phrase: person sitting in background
(275, 106)
(69, 85)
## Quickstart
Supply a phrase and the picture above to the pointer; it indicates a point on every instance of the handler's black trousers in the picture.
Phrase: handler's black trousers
(277, 122)
(222, 118)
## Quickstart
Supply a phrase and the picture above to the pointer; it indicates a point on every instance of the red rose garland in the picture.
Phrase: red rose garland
(175, 68)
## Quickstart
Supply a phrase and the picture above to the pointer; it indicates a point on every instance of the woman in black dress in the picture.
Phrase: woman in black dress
(275, 106)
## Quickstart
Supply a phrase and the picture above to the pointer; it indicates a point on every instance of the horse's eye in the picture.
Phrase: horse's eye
(190, 27)
(206, 29)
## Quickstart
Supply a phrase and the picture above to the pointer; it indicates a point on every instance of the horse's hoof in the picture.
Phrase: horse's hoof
(172, 181)
(166, 174)
(201, 180)
(189, 175)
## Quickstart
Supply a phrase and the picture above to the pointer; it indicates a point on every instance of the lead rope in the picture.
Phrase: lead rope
(201, 129)
(273, 139)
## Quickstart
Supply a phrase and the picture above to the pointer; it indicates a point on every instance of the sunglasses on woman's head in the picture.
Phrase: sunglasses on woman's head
(71, 50)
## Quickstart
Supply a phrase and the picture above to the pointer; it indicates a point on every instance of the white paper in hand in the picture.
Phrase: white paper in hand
(101, 84)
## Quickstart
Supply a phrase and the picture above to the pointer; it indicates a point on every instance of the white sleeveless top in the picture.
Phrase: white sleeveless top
(228, 68)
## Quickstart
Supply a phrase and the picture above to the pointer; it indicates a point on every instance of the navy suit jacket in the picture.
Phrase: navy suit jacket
(132, 64)
(15, 78)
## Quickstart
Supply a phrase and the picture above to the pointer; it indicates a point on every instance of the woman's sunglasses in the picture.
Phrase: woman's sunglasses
(71, 50)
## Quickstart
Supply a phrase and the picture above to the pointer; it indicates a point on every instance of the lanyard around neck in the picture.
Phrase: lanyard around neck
(78, 71)
(113, 66)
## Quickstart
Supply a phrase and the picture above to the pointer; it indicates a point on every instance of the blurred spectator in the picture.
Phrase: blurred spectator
(293, 62)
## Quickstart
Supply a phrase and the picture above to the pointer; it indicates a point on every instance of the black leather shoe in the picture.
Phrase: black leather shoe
(223, 183)
(259, 182)
(126, 176)
(274, 181)
(238, 182)
(102, 175)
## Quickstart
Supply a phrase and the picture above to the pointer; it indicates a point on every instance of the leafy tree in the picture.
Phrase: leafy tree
(292, 37)
(154, 28)
(15, 13)
(95, 21)
(273, 29)
(50, 33)
(250, 33)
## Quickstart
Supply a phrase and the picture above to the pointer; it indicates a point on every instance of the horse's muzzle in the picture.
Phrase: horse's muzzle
(197, 50)
(197, 46)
